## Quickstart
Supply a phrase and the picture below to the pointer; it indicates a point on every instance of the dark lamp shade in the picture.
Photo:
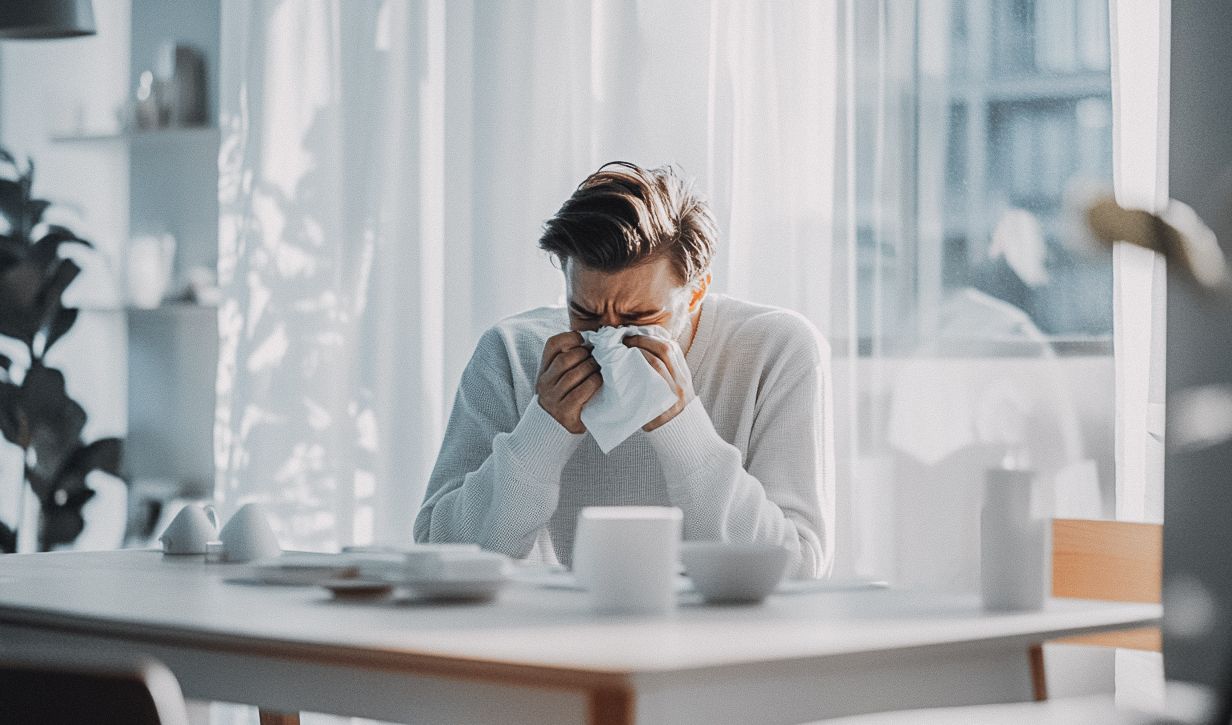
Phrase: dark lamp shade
(45, 19)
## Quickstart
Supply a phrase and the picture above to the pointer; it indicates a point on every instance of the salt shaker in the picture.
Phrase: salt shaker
(1015, 541)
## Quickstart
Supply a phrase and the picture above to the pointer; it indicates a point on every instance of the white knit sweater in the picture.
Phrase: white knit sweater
(751, 459)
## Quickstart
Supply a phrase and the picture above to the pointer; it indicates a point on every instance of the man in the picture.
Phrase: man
(746, 451)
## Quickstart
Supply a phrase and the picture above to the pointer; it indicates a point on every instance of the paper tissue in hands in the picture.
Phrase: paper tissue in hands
(632, 394)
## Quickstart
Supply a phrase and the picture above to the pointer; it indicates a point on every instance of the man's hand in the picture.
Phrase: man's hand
(568, 378)
(667, 359)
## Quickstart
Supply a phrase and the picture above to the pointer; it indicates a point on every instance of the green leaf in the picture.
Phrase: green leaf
(62, 523)
(8, 539)
(12, 201)
(54, 420)
(65, 272)
(10, 413)
(33, 214)
(61, 323)
(12, 251)
(47, 248)
(47, 304)
(104, 454)
(19, 288)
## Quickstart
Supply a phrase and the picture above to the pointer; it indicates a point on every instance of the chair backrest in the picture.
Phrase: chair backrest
(1114, 560)
(1111, 560)
(45, 689)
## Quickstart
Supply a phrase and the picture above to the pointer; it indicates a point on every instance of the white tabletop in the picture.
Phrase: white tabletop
(184, 600)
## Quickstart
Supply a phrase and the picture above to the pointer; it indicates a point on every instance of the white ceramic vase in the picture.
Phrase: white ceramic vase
(1015, 542)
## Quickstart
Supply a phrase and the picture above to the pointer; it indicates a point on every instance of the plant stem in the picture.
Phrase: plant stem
(21, 502)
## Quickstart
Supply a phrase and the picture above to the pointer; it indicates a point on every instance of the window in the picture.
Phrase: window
(984, 127)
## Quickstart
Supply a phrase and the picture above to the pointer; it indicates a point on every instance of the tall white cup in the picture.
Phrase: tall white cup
(625, 556)
(1015, 541)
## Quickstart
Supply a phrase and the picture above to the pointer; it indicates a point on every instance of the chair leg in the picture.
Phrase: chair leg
(1039, 685)
(269, 717)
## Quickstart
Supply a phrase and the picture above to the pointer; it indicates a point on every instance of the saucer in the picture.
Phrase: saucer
(357, 588)
(303, 569)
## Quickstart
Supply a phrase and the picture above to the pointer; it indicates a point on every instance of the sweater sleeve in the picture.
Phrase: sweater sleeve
(778, 495)
(497, 478)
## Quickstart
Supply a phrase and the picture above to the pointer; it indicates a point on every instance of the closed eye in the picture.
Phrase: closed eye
(634, 318)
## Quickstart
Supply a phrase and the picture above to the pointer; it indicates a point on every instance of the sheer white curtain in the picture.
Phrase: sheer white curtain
(386, 167)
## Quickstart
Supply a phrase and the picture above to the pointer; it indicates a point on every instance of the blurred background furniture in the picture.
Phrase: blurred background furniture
(67, 687)
(1117, 561)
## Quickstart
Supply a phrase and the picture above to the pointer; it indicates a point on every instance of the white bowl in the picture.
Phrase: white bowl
(730, 573)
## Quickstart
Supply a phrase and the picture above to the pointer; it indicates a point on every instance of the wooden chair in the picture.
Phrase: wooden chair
(67, 688)
(1110, 560)
(1107, 560)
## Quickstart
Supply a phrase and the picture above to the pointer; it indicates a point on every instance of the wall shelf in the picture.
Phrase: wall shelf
(166, 308)
(203, 134)
(172, 308)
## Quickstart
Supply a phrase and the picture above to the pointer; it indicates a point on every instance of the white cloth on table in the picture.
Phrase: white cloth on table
(632, 394)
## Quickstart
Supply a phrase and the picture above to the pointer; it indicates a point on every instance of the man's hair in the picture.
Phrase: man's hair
(623, 215)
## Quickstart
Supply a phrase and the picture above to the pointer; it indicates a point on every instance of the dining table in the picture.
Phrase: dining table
(536, 653)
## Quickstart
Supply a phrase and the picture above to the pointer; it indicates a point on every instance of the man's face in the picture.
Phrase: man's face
(648, 294)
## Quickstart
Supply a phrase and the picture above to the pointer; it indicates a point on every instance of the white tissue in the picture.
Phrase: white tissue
(633, 393)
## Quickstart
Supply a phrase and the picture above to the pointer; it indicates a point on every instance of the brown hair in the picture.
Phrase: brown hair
(623, 215)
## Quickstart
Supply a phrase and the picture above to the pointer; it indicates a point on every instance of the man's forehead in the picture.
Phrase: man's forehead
(652, 283)
(594, 292)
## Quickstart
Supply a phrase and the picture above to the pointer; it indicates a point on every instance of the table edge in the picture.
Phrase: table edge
(464, 667)
(417, 663)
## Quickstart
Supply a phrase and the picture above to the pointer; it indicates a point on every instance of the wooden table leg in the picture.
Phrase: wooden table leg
(1039, 683)
(611, 707)
(278, 718)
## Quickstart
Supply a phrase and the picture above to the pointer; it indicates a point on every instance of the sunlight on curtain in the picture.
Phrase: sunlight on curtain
(385, 172)
(328, 140)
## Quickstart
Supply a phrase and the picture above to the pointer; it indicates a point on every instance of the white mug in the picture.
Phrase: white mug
(625, 556)
(248, 535)
(149, 269)
(190, 531)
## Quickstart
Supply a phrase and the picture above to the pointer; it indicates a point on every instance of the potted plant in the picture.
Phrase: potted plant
(36, 413)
